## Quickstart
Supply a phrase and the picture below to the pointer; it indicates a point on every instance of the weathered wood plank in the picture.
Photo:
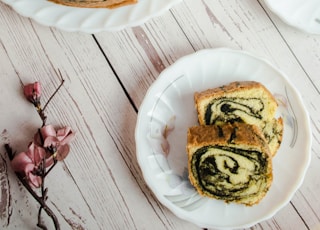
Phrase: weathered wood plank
(306, 49)
(248, 28)
(140, 54)
(210, 24)
(100, 180)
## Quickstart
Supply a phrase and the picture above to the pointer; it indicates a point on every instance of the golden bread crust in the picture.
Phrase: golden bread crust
(111, 4)
(246, 101)
(237, 86)
(238, 135)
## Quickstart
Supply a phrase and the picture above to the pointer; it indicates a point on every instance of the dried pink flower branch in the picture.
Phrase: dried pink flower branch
(55, 146)
(49, 145)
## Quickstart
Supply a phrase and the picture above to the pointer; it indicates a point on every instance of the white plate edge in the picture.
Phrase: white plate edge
(308, 144)
(92, 31)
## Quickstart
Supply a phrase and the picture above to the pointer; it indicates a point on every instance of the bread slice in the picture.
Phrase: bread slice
(95, 3)
(247, 101)
(231, 162)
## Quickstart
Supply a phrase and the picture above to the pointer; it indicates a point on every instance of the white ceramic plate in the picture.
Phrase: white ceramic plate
(87, 19)
(302, 14)
(168, 110)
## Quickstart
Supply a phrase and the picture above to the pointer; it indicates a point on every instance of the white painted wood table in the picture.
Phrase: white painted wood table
(107, 74)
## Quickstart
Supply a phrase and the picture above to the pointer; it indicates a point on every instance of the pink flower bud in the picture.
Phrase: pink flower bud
(33, 92)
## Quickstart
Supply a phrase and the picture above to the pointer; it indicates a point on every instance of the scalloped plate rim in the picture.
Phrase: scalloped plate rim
(180, 213)
(126, 23)
(282, 16)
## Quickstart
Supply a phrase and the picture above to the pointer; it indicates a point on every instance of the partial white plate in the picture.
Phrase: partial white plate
(302, 14)
(168, 110)
(87, 19)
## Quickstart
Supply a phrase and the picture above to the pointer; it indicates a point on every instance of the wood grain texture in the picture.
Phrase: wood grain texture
(100, 184)
(100, 181)
(249, 29)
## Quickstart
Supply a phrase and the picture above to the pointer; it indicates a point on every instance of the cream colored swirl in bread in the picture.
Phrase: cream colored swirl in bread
(231, 162)
(249, 102)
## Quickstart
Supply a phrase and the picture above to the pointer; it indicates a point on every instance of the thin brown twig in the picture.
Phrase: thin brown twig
(40, 225)
(43, 172)
(41, 200)
(54, 164)
(55, 92)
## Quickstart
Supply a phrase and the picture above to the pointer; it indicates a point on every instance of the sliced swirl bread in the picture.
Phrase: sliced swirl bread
(231, 162)
(95, 3)
(248, 102)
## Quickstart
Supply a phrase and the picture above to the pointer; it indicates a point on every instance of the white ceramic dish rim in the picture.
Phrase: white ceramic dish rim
(301, 26)
(90, 20)
(273, 211)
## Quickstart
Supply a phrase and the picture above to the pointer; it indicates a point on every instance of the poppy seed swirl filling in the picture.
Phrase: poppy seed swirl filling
(230, 173)
(245, 102)
(230, 162)
(246, 110)
(234, 109)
